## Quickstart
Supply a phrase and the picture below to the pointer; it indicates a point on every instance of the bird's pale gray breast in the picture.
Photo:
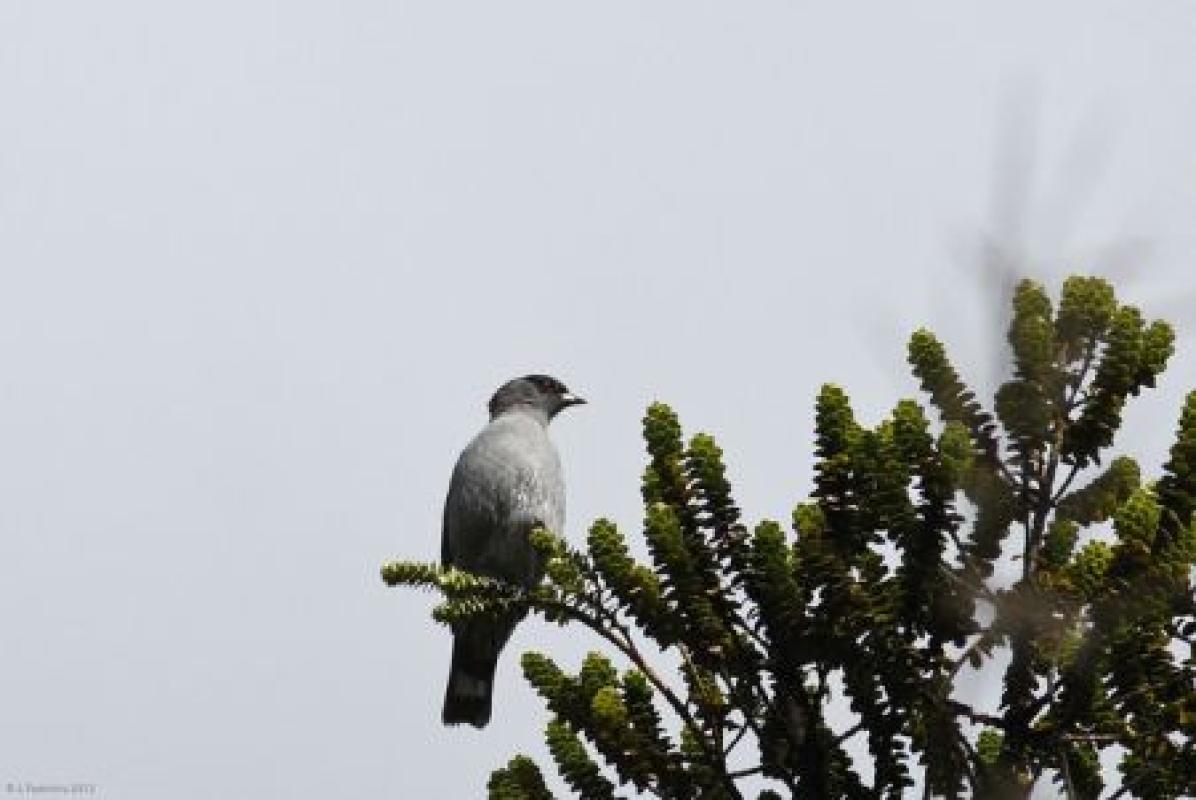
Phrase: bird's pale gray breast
(507, 479)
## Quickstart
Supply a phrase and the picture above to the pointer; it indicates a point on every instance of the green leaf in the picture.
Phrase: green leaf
(519, 780)
(575, 764)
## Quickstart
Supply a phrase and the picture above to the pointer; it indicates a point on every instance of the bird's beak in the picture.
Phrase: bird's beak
(570, 399)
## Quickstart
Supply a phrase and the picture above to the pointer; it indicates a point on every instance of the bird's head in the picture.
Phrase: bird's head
(535, 392)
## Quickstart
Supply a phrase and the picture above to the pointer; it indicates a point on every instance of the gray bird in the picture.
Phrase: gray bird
(507, 481)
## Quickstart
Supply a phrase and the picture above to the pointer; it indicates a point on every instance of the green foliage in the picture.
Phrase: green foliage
(1177, 487)
(520, 779)
(575, 764)
(1131, 355)
(988, 747)
(1097, 501)
(884, 589)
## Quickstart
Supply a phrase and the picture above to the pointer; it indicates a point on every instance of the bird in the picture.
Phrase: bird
(507, 482)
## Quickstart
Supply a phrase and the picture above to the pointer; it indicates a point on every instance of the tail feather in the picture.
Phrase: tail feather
(470, 685)
(476, 645)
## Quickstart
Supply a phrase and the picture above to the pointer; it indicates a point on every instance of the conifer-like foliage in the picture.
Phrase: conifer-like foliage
(927, 549)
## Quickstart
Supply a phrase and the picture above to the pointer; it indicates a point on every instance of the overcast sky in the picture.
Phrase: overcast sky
(263, 263)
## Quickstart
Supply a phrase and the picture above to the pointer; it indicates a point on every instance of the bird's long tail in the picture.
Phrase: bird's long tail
(470, 684)
(476, 646)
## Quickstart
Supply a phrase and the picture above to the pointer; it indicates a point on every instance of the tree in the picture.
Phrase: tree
(888, 590)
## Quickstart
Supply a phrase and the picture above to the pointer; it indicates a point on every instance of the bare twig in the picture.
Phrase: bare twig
(847, 734)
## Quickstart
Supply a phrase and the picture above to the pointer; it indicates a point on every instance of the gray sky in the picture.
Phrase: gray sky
(262, 264)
